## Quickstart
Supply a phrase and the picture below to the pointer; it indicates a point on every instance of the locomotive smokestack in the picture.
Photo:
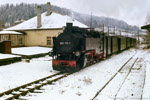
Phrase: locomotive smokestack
(39, 16)
(48, 8)
(69, 27)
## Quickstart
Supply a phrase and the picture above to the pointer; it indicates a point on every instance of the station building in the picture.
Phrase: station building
(147, 36)
(40, 30)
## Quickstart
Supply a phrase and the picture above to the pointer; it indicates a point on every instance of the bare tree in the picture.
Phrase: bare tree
(147, 19)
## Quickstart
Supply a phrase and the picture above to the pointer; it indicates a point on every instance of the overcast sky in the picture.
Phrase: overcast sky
(134, 12)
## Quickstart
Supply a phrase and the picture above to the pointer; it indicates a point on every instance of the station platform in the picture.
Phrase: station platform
(8, 59)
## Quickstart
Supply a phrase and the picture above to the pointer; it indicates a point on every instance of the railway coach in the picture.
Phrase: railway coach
(116, 44)
(76, 48)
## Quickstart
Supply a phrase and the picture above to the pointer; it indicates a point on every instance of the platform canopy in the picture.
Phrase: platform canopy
(146, 27)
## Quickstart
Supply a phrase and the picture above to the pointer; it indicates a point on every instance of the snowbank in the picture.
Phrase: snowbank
(30, 50)
(6, 56)
(17, 74)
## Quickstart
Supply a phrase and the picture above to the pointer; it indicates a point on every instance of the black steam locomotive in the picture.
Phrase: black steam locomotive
(76, 47)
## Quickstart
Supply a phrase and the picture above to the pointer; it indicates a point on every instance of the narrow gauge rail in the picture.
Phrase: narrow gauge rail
(30, 87)
(103, 87)
(143, 84)
(125, 78)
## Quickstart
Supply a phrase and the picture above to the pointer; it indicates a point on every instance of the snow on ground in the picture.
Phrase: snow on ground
(30, 50)
(83, 85)
(17, 74)
(124, 85)
(146, 90)
(5, 56)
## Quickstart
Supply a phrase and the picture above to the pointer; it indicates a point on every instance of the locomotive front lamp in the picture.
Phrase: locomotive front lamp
(77, 53)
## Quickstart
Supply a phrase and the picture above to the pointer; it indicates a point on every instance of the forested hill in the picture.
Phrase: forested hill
(10, 13)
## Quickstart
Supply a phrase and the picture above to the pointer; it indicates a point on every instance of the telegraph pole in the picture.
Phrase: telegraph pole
(114, 29)
(104, 40)
(91, 21)
(138, 38)
(108, 30)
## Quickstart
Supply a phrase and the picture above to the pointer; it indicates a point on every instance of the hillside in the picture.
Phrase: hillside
(10, 13)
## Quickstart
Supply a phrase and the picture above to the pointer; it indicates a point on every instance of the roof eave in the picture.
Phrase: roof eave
(36, 29)
(145, 26)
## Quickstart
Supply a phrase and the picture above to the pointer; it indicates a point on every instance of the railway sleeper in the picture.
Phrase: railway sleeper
(42, 82)
(38, 91)
(22, 98)
(38, 84)
(15, 92)
(31, 90)
(22, 90)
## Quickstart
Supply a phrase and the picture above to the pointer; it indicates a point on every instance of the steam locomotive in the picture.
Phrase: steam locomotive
(76, 48)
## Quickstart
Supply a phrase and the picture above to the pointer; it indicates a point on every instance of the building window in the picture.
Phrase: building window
(20, 40)
(49, 41)
(4, 37)
(13, 40)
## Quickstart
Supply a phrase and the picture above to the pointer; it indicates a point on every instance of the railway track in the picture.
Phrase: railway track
(23, 90)
(143, 84)
(125, 79)
(103, 87)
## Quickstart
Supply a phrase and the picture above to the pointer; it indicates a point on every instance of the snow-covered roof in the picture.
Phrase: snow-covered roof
(9, 32)
(55, 20)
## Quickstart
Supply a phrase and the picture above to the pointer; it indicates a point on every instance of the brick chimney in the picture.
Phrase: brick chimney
(39, 16)
(48, 9)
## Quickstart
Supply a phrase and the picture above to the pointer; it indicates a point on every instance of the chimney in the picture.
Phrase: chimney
(69, 27)
(39, 16)
(48, 8)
